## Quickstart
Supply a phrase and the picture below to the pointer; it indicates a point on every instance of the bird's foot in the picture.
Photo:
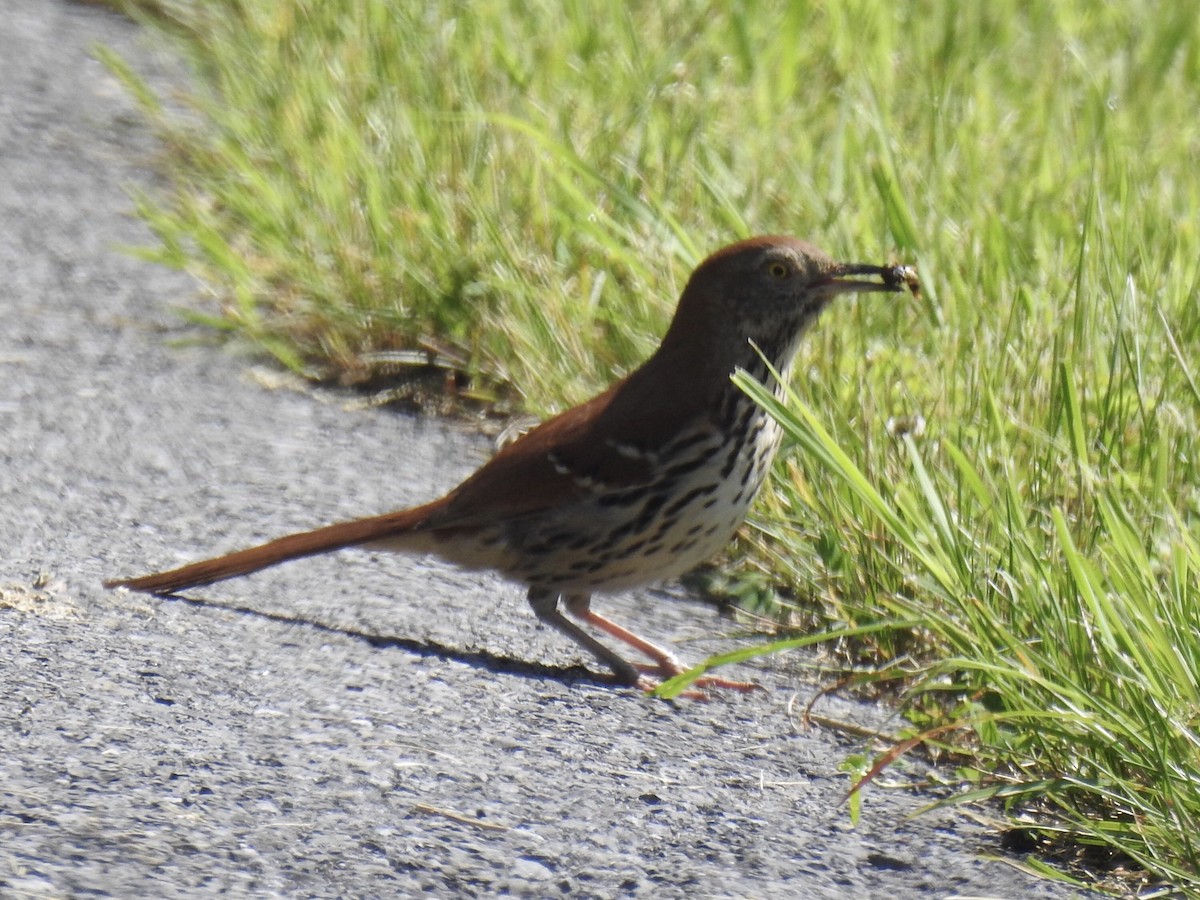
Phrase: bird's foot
(653, 674)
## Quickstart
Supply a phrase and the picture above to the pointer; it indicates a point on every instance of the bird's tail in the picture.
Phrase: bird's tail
(322, 540)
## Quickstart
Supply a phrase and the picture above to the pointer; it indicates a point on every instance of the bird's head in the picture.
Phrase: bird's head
(766, 291)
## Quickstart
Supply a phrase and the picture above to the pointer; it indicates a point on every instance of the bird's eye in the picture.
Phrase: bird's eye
(778, 270)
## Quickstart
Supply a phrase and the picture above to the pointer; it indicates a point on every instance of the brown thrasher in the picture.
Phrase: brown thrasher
(637, 485)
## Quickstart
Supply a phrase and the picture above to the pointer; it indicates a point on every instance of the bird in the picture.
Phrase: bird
(638, 485)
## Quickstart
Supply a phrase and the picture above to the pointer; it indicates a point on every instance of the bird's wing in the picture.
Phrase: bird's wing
(601, 446)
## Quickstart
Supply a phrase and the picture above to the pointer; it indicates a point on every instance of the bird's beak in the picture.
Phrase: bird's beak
(894, 278)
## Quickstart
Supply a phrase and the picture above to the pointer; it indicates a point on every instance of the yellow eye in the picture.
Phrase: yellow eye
(778, 270)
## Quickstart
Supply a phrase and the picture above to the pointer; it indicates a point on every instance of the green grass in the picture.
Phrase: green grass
(529, 184)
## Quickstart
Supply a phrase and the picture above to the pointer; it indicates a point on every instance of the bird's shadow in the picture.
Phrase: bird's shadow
(478, 659)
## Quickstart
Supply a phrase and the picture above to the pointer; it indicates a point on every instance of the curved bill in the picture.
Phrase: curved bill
(894, 278)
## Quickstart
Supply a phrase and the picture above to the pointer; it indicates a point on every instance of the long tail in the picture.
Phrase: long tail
(294, 546)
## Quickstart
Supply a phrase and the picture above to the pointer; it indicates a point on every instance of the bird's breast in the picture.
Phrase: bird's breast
(697, 495)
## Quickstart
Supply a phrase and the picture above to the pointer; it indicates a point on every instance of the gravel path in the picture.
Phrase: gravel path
(349, 726)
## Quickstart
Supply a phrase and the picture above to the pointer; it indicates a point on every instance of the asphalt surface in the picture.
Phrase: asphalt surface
(349, 726)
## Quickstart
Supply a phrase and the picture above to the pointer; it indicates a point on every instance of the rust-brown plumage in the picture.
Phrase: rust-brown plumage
(636, 485)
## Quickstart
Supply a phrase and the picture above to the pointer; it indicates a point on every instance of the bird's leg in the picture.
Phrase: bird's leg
(545, 607)
(580, 606)
(667, 664)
